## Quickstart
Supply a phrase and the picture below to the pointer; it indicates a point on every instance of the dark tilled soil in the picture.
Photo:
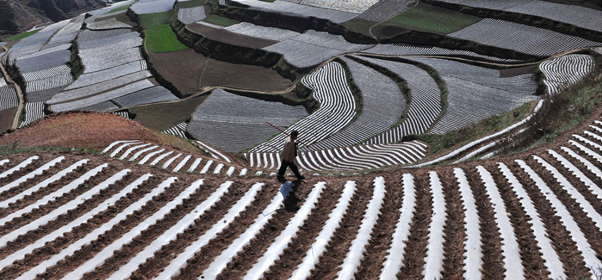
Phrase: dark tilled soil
(182, 68)
(242, 76)
(225, 36)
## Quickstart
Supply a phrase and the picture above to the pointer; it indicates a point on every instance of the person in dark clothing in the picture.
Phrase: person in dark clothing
(288, 155)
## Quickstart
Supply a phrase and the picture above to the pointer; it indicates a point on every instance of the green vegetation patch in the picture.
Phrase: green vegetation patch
(21, 36)
(162, 39)
(215, 19)
(148, 21)
(424, 17)
(119, 9)
(360, 26)
(459, 137)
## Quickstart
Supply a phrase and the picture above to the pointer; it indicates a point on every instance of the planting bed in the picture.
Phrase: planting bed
(475, 93)
(382, 107)
(385, 9)
(107, 24)
(152, 6)
(104, 60)
(94, 89)
(43, 62)
(89, 79)
(191, 15)
(572, 14)
(521, 38)
(258, 31)
(313, 47)
(352, 158)
(234, 123)
(528, 216)
(299, 10)
(353, 6)
(8, 97)
(102, 97)
(146, 96)
(562, 72)
(426, 101)
(337, 109)
(178, 130)
(33, 112)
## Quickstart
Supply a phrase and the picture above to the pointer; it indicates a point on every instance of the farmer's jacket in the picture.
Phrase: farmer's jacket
(290, 150)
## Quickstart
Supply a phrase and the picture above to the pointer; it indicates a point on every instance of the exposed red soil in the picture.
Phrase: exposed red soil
(225, 36)
(225, 74)
(182, 68)
(78, 130)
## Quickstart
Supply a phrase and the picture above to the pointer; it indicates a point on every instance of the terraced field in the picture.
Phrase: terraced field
(483, 219)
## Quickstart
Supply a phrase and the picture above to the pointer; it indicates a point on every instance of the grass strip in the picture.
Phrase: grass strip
(161, 39)
(425, 17)
(21, 36)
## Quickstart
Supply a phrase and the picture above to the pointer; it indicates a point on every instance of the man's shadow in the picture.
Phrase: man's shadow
(288, 190)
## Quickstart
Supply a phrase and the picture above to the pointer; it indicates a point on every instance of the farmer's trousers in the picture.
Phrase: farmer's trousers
(292, 165)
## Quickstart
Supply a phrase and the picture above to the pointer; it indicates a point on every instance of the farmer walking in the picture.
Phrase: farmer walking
(288, 155)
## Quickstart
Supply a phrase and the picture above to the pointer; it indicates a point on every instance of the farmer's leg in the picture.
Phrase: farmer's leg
(295, 170)
(282, 170)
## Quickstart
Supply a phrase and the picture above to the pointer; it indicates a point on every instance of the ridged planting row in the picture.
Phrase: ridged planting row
(313, 47)
(522, 38)
(284, 7)
(425, 106)
(147, 153)
(565, 71)
(33, 111)
(573, 14)
(8, 97)
(337, 109)
(346, 158)
(535, 217)
(382, 107)
(177, 130)
(476, 93)
(107, 24)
